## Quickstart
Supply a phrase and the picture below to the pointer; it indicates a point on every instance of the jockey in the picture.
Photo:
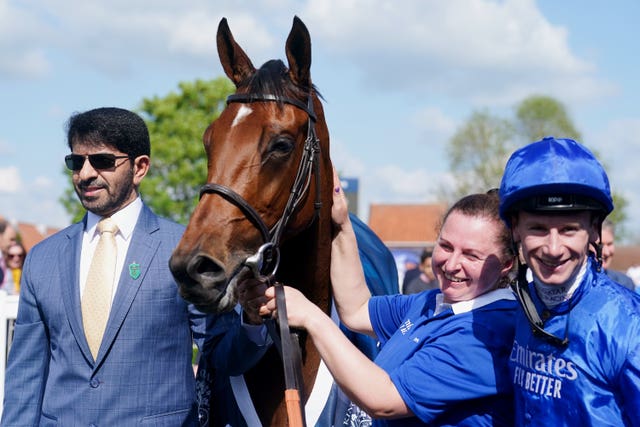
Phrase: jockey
(576, 355)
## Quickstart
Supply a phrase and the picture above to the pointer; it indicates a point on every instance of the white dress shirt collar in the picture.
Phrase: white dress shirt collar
(126, 219)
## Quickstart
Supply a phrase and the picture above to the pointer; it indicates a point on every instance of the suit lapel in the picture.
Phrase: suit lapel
(142, 250)
(70, 284)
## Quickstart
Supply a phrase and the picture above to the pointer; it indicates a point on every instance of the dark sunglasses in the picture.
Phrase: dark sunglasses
(100, 161)
(15, 255)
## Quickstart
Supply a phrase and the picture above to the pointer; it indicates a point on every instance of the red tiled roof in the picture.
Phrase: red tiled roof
(406, 224)
(32, 234)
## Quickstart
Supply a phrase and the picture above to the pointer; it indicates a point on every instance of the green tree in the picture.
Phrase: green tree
(619, 215)
(539, 116)
(178, 162)
(477, 153)
(480, 148)
(69, 201)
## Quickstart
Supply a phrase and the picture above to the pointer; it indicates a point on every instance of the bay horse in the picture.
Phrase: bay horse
(268, 194)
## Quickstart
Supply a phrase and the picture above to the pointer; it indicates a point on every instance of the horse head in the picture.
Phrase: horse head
(263, 188)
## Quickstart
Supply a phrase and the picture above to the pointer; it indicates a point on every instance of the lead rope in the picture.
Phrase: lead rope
(292, 362)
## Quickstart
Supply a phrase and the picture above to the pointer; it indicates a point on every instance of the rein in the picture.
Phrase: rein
(264, 263)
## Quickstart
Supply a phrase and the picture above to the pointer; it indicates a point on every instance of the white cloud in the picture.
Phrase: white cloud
(433, 119)
(20, 65)
(43, 183)
(618, 145)
(34, 201)
(346, 163)
(24, 207)
(486, 51)
(114, 37)
(10, 179)
(397, 184)
(21, 57)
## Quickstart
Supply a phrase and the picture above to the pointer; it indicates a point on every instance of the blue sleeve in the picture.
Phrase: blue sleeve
(228, 347)
(28, 361)
(388, 312)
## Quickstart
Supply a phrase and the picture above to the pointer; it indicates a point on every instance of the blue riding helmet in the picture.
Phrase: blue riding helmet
(554, 175)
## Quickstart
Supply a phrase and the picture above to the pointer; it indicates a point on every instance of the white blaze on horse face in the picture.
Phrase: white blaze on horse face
(243, 112)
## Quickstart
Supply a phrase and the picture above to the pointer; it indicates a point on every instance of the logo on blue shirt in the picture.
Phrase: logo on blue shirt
(406, 326)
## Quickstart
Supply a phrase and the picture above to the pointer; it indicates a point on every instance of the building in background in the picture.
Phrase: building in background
(31, 234)
(350, 188)
(406, 229)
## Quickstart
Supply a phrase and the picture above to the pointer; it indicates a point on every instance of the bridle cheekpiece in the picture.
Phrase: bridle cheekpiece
(264, 263)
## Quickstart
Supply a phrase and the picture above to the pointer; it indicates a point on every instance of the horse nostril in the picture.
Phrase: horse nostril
(204, 269)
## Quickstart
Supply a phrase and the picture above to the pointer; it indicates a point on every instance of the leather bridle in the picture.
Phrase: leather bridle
(264, 263)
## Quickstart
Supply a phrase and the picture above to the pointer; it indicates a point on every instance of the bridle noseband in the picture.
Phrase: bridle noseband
(266, 260)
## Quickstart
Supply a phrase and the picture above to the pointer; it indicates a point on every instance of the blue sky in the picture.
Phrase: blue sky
(398, 77)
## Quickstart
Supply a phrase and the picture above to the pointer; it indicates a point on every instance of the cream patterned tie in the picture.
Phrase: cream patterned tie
(96, 299)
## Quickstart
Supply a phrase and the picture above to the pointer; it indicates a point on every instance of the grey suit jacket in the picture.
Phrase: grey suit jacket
(143, 373)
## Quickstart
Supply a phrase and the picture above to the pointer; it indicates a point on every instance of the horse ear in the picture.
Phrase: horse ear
(236, 64)
(298, 49)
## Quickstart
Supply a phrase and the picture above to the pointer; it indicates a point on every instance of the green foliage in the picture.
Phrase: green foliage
(478, 151)
(480, 148)
(619, 215)
(178, 162)
(539, 116)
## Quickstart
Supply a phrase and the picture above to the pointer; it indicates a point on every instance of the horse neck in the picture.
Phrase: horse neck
(305, 262)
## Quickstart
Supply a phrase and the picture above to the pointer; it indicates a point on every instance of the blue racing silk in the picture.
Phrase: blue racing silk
(595, 380)
(451, 369)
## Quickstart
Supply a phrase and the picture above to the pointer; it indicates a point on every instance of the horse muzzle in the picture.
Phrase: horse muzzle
(203, 282)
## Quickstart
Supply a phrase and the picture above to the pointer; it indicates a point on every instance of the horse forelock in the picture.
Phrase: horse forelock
(273, 79)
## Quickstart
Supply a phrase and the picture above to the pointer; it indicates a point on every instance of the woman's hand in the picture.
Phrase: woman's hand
(340, 209)
(300, 311)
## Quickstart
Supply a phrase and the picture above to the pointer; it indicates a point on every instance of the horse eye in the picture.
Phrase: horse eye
(281, 146)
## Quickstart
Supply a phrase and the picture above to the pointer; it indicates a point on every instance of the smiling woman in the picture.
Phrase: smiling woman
(466, 262)
(444, 354)
(14, 256)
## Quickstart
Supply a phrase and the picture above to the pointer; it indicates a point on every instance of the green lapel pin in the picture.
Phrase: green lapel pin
(134, 270)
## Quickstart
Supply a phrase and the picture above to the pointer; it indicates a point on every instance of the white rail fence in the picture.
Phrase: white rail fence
(8, 313)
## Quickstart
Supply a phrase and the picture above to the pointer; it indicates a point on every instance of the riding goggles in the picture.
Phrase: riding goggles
(100, 161)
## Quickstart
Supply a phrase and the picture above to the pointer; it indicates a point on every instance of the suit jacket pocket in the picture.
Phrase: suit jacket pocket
(185, 417)
(46, 421)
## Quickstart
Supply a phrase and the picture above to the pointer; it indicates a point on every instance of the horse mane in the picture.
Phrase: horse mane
(272, 78)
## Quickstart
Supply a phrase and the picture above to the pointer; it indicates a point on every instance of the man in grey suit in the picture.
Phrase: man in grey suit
(137, 370)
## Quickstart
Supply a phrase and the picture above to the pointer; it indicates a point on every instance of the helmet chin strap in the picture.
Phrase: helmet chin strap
(598, 248)
(597, 245)
(520, 287)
